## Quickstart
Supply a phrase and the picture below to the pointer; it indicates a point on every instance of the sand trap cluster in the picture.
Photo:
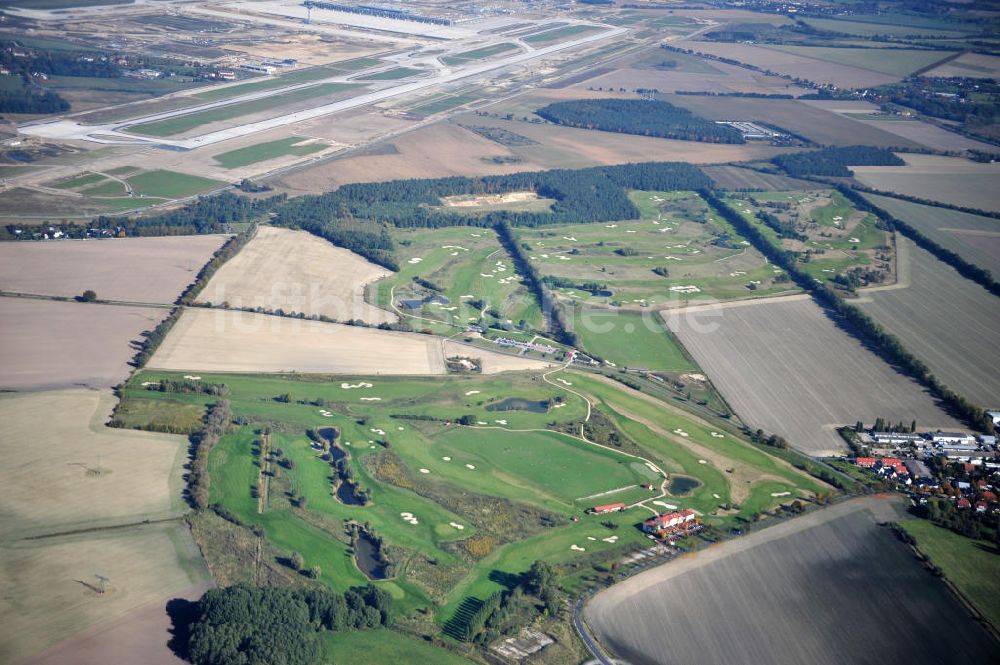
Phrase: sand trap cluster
(471, 467)
(352, 386)
(577, 548)
(380, 432)
(408, 517)
(325, 413)
(610, 539)
(718, 436)
(500, 422)
(456, 525)
(680, 432)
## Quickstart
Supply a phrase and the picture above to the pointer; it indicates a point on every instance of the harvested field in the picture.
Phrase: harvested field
(834, 582)
(785, 367)
(65, 468)
(892, 61)
(154, 270)
(229, 341)
(734, 177)
(951, 180)
(948, 321)
(298, 272)
(970, 65)
(974, 237)
(808, 120)
(45, 344)
(801, 66)
(52, 585)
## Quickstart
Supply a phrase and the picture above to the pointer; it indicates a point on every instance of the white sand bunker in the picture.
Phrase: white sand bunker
(668, 506)
(370, 399)
(610, 539)
(500, 422)
(718, 436)
(777, 494)
(559, 406)
(415, 260)
(591, 538)
(471, 392)
(408, 517)
(380, 432)
(347, 443)
(192, 378)
(149, 383)
(399, 429)
(577, 548)
(464, 249)
(717, 496)
(470, 466)
(351, 386)
(446, 459)
(703, 461)
(425, 470)
(564, 382)
(482, 422)
(456, 525)
(680, 432)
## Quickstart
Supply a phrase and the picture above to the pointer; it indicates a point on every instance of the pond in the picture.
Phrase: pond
(328, 433)
(520, 404)
(417, 303)
(368, 557)
(683, 485)
(602, 294)
(337, 454)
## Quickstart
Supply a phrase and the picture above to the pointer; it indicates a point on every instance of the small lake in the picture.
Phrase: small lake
(328, 433)
(337, 454)
(682, 485)
(347, 494)
(602, 294)
(417, 303)
(520, 404)
(368, 558)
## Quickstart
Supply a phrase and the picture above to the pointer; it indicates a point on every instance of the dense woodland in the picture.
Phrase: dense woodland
(642, 117)
(853, 318)
(27, 99)
(244, 625)
(835, 161)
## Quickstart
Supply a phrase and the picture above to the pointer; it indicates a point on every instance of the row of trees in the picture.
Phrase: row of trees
(217, 420)
(505, 612)
(642, 117)
(27, 99)
(968, 270)
(229, 249)
(243, 625)
(835, 161)
(854, 319)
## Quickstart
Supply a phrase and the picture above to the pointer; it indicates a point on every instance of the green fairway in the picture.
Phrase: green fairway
(171, 184)
(631, 339)
(479, 54)
(972, 565)
(293, 145)
(384, 647)
(188, 121)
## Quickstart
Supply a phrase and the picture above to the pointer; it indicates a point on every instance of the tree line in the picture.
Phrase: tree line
(642, 117)
(835, 161)
(853, 318)
(217, 420)
(244, 625)
(26, 99)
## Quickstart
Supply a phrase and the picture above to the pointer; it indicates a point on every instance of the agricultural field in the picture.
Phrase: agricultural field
(835, 580)
(294, 145)
(233, 341)
(951, 180)
(935, 303)
(295, 271)
(677, 252)
(863, 29)
(46, 345)
(131, 187)
(143, 270)
(974, 237)
(785, 367)
(467, 265)
(833, 237)
(971, 65)
(171, 184)
(735, 177)
(895, 61)
(186, 122)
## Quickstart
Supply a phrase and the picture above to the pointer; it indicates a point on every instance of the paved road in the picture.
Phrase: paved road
(584, 633)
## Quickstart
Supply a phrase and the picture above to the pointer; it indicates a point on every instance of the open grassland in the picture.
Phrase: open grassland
(442, 103)
(479, 53)
(393, 74)
(186, 122)
(948, 321)
(833, 580)
(701, 254)
(895, 61)
(232, 341)
(468, 265)
(45, 344)
(971, 565)
(862, 29)
(52, 585)
(630, 339)
(293, 145)
(369, 647)
(973, 237)
(970, 65)
(152, 270)
(296, 271)
(785, 367)
(805, 119)
(560, 34)
(65, 468)
(951, 180)
(229, 91)
(795, 64)
(171, 184)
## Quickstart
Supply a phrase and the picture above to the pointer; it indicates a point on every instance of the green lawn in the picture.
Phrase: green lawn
(384, 647)
(393, 74)
(302, 76)
(171, 184)
(479, 53)
(269, 150)
(186, 122)
(631, 339)
(79, 181)
(972, 565)
(106, 188)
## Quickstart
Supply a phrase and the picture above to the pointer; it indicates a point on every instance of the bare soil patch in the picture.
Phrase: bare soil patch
(296, 271)
(154, 270)
(46, 344)
(784, 366)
